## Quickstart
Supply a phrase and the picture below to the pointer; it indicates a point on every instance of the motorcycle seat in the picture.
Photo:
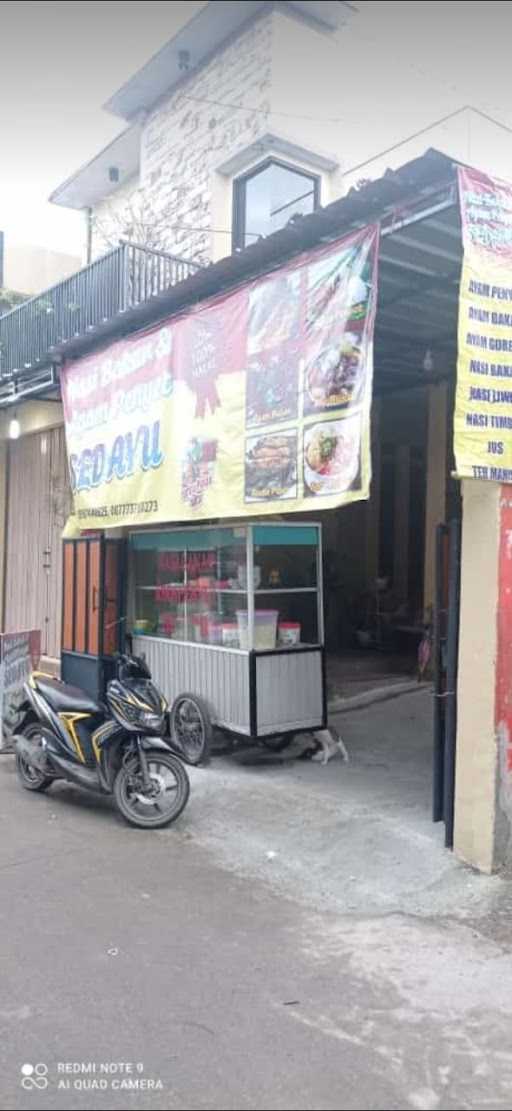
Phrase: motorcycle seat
(65, 699)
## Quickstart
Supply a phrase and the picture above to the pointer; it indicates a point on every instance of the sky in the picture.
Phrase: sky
(59, 62)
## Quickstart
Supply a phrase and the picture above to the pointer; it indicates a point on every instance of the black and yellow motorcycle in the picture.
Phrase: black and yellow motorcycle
(115, 749)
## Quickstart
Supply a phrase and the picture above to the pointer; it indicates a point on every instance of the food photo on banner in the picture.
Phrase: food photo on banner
(254, 402)
(483, 407)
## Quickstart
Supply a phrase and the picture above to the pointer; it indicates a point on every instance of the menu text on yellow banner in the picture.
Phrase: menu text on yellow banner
(483, 407)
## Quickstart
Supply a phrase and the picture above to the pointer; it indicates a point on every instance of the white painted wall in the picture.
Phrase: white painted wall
(476, 776)
(306, 96)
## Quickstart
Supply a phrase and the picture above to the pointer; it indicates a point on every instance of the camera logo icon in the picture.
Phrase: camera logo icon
(34, 1076)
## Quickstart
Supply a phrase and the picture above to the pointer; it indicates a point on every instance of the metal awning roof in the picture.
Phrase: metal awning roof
(419, 269)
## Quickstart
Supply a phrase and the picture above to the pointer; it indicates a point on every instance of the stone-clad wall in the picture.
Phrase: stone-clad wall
(183, 140)
(112, 217)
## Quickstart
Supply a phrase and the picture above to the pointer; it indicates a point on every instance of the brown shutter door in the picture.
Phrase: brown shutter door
(38, 507)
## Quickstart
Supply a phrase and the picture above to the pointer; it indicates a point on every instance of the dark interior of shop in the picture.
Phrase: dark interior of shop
(379, 555)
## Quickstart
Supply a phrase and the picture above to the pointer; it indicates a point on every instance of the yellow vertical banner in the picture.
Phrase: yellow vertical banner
(483, 405)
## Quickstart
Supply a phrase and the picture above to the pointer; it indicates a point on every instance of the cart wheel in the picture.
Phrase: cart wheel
(191, 728)
(277, 744)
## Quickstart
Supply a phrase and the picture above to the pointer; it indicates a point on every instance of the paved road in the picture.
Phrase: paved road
(121, 948)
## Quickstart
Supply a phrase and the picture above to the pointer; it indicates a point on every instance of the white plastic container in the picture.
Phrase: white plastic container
(265, 628)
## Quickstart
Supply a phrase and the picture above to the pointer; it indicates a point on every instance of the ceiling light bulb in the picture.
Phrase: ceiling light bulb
(14, 429)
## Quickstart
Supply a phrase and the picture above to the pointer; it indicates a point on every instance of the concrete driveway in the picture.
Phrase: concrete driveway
(356, 837)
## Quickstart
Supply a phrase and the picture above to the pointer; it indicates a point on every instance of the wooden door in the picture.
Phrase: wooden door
(92, 596)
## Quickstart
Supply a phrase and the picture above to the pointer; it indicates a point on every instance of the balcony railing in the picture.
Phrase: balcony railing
(33, 334)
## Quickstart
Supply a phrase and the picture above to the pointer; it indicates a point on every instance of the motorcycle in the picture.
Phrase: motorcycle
(115, 749)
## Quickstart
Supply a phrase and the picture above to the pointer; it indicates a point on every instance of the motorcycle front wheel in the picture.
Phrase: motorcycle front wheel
(166, 797)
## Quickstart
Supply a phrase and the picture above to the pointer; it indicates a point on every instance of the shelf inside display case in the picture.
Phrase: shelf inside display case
(209, 590)
(288, 590)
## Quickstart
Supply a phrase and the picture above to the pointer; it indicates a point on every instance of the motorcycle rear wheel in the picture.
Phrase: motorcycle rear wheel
(171, 790)
(31, 778)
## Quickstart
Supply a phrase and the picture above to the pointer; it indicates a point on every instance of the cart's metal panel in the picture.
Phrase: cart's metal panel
(219, 676)
(289, 691)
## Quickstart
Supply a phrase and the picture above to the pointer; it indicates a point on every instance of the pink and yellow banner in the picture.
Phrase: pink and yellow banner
(483, 407)
(257, 402)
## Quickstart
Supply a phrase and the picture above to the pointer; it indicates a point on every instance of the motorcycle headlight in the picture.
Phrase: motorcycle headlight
(150, 719)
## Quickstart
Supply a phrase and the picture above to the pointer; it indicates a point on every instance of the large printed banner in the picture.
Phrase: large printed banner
(257, 402)
(483, 409)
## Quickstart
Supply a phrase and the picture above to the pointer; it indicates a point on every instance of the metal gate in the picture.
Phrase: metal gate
(446, 649)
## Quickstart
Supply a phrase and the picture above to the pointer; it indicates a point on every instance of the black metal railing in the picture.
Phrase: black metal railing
(34, 332)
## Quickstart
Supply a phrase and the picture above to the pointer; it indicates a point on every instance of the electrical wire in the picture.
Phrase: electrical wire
(429, 75)
(372, 40)
(213, 231)
(424, 131)
(363, 39)
(262, 111)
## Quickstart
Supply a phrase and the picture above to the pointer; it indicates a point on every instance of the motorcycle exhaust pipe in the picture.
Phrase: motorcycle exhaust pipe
(33, 753)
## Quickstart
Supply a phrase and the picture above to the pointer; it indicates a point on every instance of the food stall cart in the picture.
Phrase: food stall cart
(230, 621)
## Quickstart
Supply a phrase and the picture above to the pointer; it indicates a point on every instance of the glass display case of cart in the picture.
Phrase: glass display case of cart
(247, 587)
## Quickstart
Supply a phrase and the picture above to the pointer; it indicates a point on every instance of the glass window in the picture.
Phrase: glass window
(190, 585)
(267, 198)
(286, 581)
